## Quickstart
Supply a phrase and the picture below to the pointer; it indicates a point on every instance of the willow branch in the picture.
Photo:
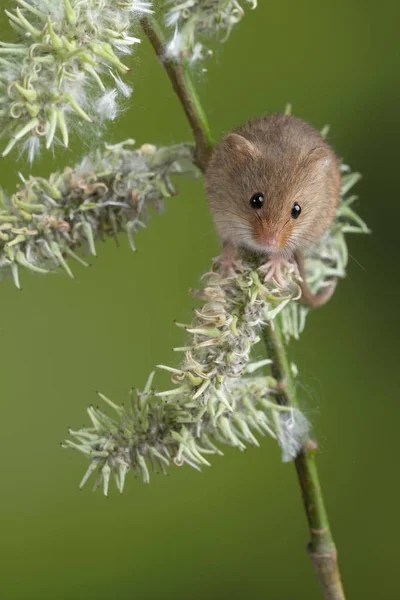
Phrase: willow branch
(321, 549)
(181, 80)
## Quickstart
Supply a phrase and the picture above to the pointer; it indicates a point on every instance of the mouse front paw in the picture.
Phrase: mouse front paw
(277, 269)
(227, 262)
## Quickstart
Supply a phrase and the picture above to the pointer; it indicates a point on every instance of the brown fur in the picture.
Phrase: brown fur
(288, 161)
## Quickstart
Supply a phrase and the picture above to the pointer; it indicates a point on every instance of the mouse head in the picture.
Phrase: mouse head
(271, 197)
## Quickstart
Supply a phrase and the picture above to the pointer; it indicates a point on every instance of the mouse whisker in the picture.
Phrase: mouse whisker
(357, 263)
(283, 227)
(239, 223)
(242, 215)
(235, 227)
(306, 245)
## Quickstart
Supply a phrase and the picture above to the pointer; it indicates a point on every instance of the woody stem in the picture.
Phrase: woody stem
(321, 549)
(179, 75)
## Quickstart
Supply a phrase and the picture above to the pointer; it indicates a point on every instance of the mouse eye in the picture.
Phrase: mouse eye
(257, 201)
(296, 210)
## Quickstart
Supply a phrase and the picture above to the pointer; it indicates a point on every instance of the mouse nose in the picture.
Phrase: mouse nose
(268, 237)
(271, 242)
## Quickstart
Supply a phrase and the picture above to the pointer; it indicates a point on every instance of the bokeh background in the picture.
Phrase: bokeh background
(237, 530)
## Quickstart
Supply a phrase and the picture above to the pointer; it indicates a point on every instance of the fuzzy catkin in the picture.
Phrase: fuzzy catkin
(45, 223)
(213, 398)
(194, 20)
(66, 69)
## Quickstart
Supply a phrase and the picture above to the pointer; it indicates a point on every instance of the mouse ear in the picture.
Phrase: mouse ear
(320, 155)
(241, 147)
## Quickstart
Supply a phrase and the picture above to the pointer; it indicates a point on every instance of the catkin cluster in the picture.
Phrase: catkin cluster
(46, 221)
(66, 69)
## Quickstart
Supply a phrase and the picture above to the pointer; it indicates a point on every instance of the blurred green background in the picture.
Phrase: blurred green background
(236, 530)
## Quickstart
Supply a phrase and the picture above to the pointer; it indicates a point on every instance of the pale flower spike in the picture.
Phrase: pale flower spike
(47, 221)
(194, 20)
(57, 74)
(211, 401)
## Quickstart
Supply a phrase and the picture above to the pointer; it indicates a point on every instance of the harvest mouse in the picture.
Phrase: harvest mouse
(273, 187)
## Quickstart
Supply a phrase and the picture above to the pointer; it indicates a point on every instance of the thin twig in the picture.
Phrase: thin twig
(321, 549)
(180, 78)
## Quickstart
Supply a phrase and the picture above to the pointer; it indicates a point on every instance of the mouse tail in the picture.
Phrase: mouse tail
(307, 297)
